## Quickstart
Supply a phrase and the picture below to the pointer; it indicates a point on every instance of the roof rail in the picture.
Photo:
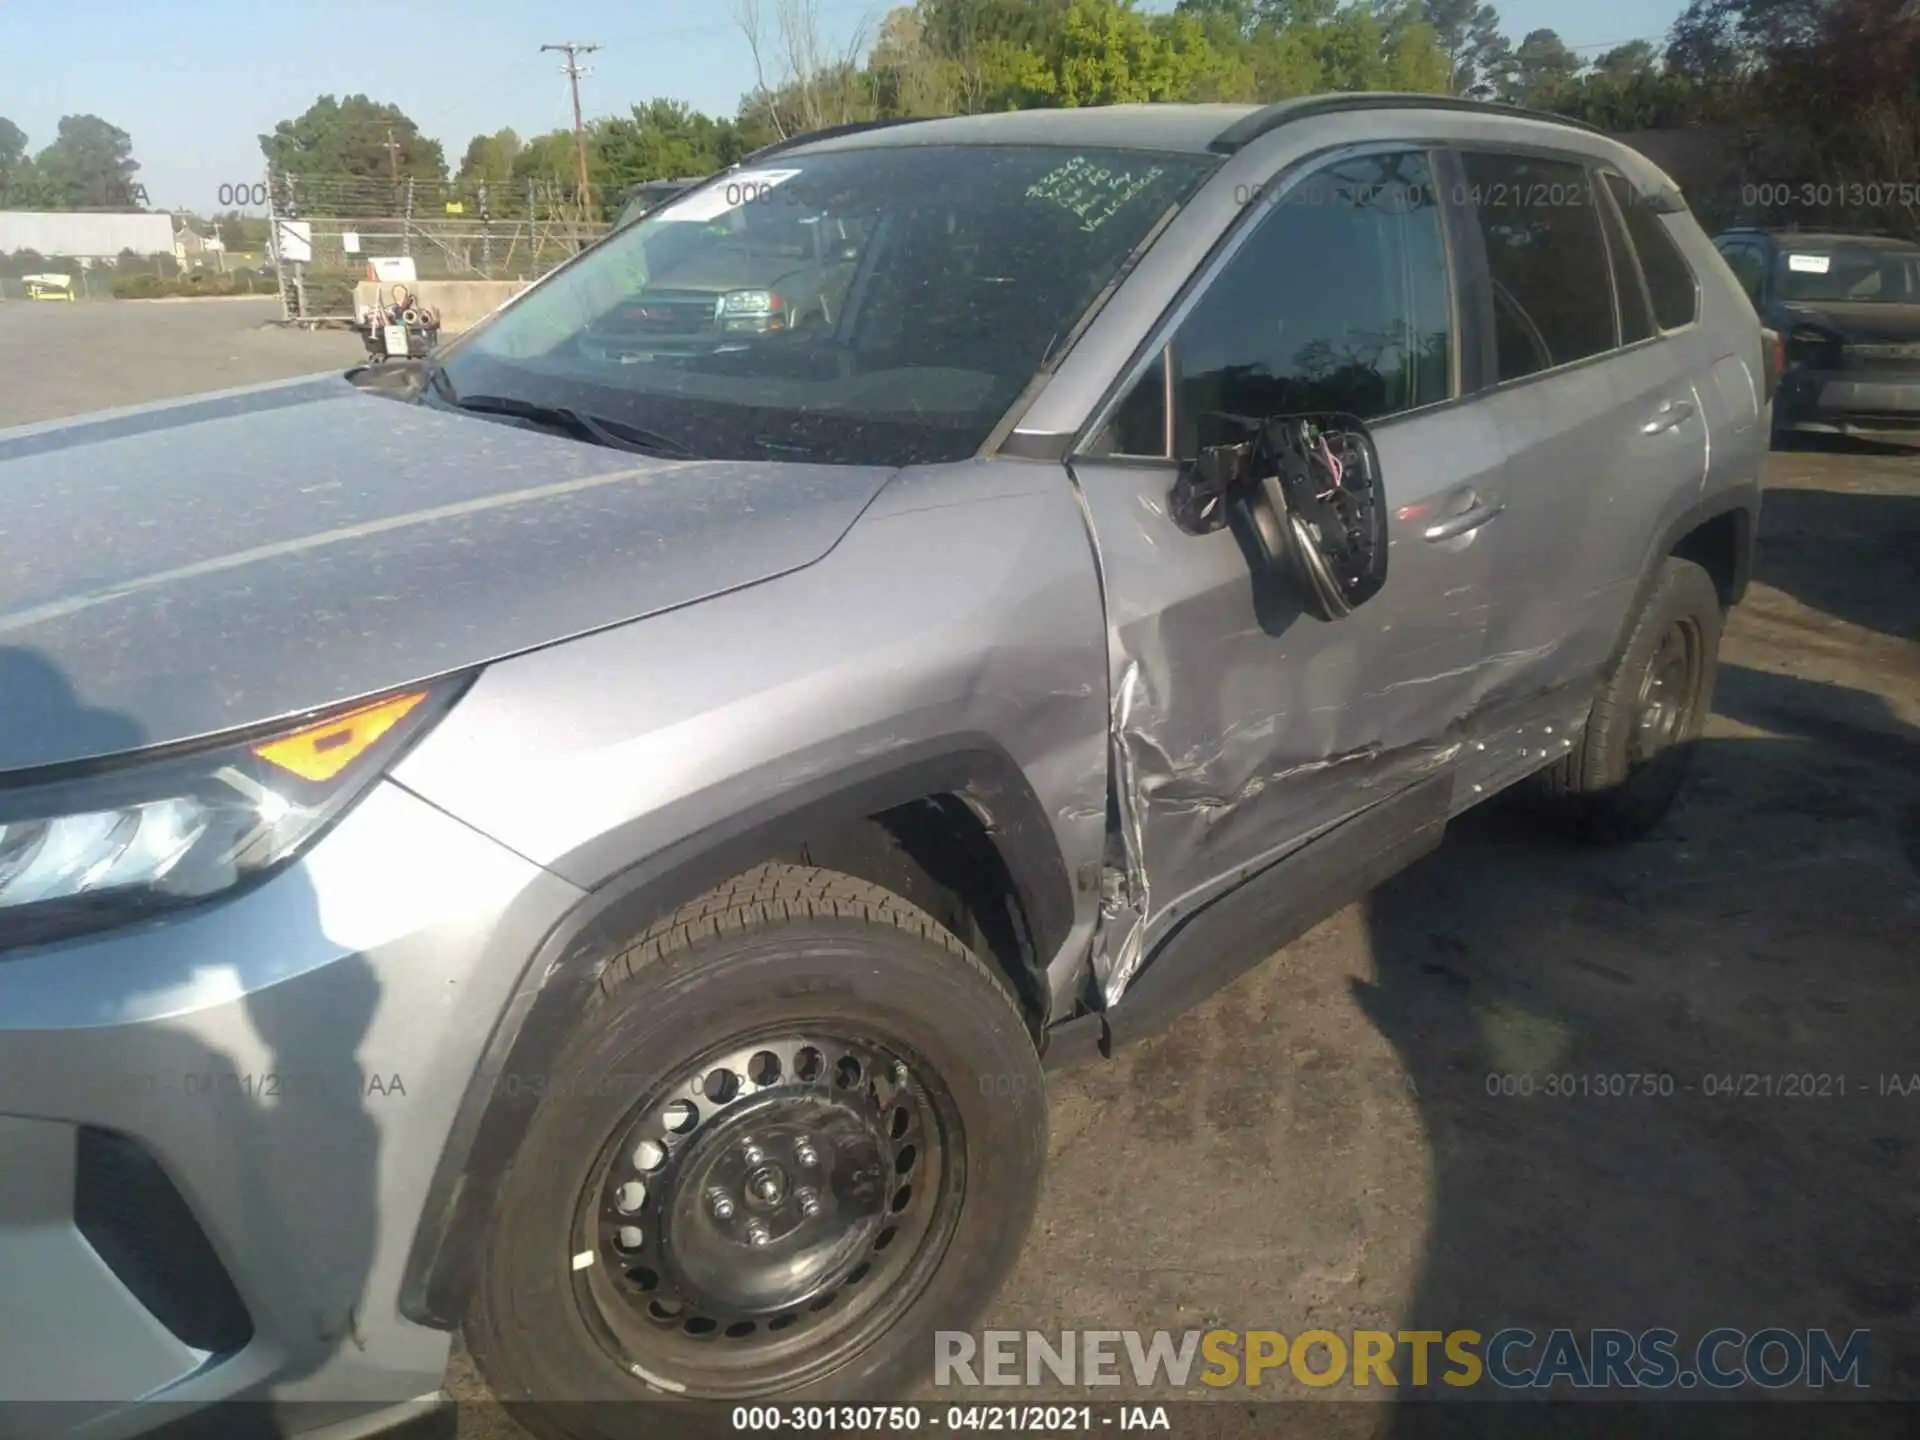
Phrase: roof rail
(833, 132)
(1244, 132)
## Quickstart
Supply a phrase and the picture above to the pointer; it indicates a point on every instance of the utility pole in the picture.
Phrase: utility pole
(573, 50)
(393, 172)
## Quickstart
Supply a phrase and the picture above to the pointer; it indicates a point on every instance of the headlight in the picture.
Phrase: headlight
(98, 848)
(752, 302)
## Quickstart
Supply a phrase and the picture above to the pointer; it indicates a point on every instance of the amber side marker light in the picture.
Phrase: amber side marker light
(322, 751)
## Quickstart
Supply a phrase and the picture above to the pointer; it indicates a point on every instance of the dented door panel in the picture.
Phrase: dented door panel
(1242, 727)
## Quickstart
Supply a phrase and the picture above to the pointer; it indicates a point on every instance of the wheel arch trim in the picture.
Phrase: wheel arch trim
(554, 987)
(1743, 503)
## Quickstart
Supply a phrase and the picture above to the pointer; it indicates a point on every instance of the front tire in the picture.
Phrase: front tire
(802, 1128)
(1645, 724)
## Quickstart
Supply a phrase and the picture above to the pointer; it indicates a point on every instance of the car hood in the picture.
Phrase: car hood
(182, 569)
(1868, 324)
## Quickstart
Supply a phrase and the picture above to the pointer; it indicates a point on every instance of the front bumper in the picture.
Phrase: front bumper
(217, 1130)
(1848, 401)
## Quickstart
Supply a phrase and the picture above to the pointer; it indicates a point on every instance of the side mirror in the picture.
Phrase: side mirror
(1307, 496)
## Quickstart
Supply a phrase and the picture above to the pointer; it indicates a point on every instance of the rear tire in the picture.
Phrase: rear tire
(866, 1112)
(1643, 730)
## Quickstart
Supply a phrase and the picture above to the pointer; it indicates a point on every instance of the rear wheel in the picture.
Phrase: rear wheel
(1640, 736)
(803, 1130)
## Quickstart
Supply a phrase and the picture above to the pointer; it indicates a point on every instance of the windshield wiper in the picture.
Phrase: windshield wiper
(614, 434)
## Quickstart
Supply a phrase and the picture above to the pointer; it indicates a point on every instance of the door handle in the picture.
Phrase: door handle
(1669, 416)
(1466, 522)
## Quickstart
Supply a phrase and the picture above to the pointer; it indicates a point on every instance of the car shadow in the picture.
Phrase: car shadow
(1654, 1079)
(1820, 442)
(228, 1154)
(1852, 555)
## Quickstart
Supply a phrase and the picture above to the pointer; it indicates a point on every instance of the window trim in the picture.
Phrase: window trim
(1693, 275)
(1630, 262)
(1158, 347)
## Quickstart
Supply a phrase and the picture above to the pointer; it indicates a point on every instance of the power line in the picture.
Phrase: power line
(1616, 44)
(573, 50)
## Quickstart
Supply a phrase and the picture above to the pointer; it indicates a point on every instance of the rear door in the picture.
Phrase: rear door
(1242, 725)
(1717, 345)
(1600, 425)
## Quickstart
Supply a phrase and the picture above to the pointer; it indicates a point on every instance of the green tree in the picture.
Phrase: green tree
(1720, 39)
(1843, 90)
(1227, 22)
(550, 158)
(1542, 64)
(1623, 62)
(13, 160)
(662, 140)
(488, 160)
(1478, 55)
(353, 139)
(89, 166)
(242, 233)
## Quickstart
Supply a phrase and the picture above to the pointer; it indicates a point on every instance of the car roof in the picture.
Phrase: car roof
(1197, 129)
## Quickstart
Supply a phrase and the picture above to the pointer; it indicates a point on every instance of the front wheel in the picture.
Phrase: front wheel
(1644, 725)
(802, 1130)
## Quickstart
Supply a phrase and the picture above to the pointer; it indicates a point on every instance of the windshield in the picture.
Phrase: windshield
(882, 306)
(1856, 274)
(646, 197)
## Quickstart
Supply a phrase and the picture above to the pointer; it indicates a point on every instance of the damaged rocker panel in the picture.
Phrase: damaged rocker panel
(1221, 941)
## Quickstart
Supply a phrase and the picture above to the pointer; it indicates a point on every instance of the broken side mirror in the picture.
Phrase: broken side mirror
(1307, 494)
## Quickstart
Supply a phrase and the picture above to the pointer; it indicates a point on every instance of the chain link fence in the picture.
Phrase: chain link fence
(328, 229)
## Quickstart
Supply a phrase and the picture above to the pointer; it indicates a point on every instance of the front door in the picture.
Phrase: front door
(1242, 725)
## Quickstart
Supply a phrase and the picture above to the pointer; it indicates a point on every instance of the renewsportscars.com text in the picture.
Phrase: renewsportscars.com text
(1772, 1358)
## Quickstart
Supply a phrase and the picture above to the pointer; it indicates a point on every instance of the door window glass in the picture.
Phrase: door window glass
(1339, 300)
(1547, 260)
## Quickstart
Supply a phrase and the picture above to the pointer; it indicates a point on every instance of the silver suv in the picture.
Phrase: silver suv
(590, 840)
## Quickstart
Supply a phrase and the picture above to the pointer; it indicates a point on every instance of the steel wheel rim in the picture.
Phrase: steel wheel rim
(1669, 687)
(758, 1219)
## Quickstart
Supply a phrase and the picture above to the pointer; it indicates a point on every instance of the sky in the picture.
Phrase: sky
(195, 82)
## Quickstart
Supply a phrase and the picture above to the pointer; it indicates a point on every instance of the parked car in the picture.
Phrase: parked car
(594, 848)
(650, 195)
(1847, 306)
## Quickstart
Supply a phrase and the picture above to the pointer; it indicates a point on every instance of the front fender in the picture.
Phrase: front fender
(560, 976)
(953, 644)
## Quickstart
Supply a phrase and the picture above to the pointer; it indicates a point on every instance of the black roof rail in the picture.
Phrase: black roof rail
(1244, 132)
(833, 132)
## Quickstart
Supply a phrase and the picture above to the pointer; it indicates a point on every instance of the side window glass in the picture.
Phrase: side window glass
(1636, 318)
(1544, 250)
(1139, 425)
(1339, 300)
(1749, 268)
(1670, 281)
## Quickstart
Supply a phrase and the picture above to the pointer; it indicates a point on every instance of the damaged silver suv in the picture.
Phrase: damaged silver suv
(591, 839)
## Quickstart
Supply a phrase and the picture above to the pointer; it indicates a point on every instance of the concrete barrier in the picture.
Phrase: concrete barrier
(460, 304)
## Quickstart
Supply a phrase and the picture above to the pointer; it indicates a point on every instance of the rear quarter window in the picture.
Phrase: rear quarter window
(1670, 280)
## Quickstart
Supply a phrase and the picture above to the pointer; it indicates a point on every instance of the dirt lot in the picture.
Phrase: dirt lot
(1319, 1147)
(58, 359)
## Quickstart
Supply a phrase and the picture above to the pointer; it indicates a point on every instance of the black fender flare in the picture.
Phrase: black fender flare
(1743, 503)
(493, 1118)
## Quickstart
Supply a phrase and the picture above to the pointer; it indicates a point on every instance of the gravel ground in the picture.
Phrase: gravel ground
(96, 355)
(1318, 1147)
